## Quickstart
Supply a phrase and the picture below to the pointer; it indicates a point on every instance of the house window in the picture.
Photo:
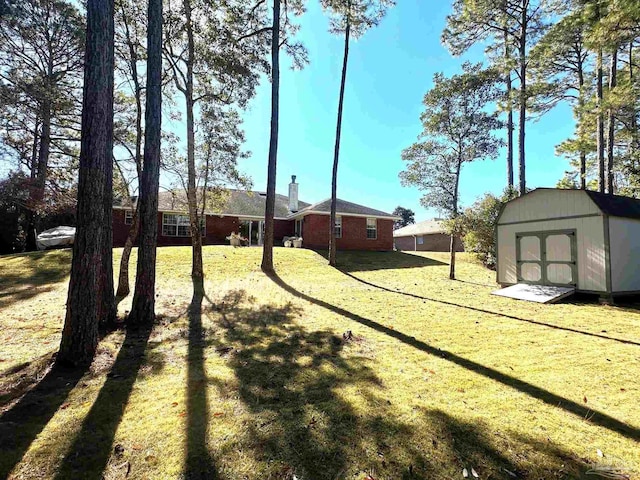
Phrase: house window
(337, 228)
(372, 228)
(420, 240)
(128, 217)
(174, 225)
(299, 228)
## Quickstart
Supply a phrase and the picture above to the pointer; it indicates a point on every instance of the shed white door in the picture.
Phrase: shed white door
(547, 258)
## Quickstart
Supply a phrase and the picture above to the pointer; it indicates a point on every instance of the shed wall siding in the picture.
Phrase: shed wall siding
(546, 204)
(590, 246)
(624, 236)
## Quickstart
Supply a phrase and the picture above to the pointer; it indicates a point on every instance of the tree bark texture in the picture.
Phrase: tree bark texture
(123, 277)
(192, 193)
(267, 249)
(143, 307)
(336, 151)
(600, 124)
(523, 102)
(88, 287)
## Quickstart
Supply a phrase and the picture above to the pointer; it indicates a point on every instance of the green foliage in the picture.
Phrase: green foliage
(478, 225)
(457, 129)
(361, 14)
(559, 63)
(14, 195)
(41, 66)
(407, 217)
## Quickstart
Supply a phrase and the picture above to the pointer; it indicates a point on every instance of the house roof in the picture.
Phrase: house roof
(344, 208)
(616, 205)
(421, 228)
(252, 204)
(236, 202)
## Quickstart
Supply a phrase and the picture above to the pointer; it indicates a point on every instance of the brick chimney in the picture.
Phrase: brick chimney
(293, 195)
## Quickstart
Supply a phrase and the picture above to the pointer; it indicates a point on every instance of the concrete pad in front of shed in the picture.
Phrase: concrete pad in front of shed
(535, 293)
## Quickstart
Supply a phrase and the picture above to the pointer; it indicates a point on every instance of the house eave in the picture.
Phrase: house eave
(212, 214)
(297, 215)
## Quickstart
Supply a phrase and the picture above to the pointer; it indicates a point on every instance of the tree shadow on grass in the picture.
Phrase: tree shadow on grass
(304, 424)
(20, 425)
(288, 378)
(19, 282)
(581, 411)
(199, 462)
(490, 312)
(17, 380)
(363, 261)
(464, 445)
(92, 447)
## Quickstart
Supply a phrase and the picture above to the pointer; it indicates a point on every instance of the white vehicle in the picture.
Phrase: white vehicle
(56, 237)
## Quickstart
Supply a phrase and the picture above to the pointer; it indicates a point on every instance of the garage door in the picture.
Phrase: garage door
(547, 258)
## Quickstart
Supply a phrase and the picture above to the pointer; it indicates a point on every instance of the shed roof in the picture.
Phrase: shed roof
(613, 205)
(421, 228)
(616, 205)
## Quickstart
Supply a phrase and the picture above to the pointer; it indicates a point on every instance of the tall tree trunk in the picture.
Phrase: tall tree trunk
(523, 101)
(30, 241)
(336, 151)
(583, 153)
(452, 244)
(87, 282)
(600, 123)
(611, 121)
(507, 57)
(108, 311)
(123, 277)
(143, 307)
(40, 180)
(197, 271)
(634, 121)
(267, 249)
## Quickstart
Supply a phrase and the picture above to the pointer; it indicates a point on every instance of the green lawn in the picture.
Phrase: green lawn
(260, 378)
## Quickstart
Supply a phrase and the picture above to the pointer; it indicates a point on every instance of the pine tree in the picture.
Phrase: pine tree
(351, 18)
(91, 299)
(457, 129)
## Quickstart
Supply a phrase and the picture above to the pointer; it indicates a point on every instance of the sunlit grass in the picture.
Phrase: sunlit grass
(438, 375)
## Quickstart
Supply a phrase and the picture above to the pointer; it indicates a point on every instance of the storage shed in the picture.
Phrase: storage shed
(578, 238)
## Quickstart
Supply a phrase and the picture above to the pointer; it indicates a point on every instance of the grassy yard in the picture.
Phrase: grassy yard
(384, 369)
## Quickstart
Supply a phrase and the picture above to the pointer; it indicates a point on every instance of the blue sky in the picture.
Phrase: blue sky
(390, 70)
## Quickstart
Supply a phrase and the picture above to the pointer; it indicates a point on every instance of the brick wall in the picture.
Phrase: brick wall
(435, 242)
(281, 229)
(120, 230)
(354, 234)
(315, 234)
(217, 229)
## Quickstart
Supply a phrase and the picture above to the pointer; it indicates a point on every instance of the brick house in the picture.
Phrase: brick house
(427, 236)
(357, 227)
